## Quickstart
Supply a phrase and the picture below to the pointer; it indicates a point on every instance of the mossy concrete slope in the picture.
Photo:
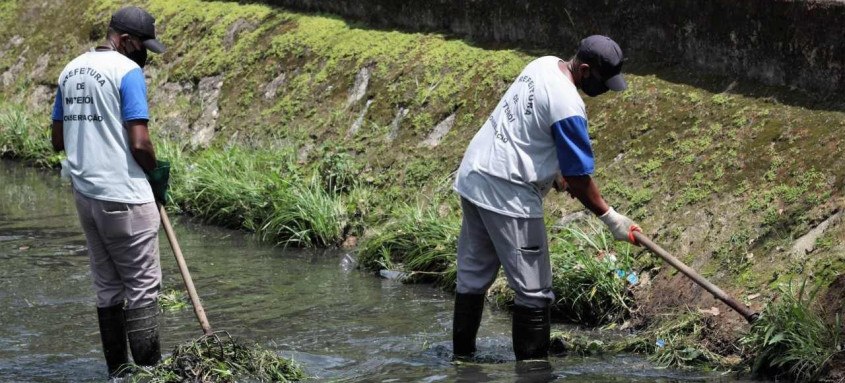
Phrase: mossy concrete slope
(746, 190)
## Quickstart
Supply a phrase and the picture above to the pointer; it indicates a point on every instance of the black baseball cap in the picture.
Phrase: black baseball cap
(603, 54)
(139, 23)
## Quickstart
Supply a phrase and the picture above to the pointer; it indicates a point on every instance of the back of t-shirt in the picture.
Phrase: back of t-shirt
(98, 92)
(511, 162)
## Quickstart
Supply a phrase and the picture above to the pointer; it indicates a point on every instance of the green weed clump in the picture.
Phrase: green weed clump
(172, 300)
(679, 340)
(232, 187)
(257, 190)
(305, 214)
(24, 137)
(589, 272)
(791, 338)
(419, 241)
(219, 358)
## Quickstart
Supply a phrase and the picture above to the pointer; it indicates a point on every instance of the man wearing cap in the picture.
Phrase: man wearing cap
(535, 139)
(100, 119)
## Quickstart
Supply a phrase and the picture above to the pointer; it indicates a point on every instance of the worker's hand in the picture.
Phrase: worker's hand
(620, 226)
(160, 181)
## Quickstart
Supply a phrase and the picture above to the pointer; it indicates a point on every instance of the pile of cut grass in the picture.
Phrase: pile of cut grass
(679, 340)
(791, 338)
(219, 358)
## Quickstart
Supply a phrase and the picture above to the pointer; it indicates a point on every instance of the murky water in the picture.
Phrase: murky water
(339, 323)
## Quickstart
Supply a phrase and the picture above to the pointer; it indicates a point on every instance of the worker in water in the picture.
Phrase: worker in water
(100, 119)
(535, 139)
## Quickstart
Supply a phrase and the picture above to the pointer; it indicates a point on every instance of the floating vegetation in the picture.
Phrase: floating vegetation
(172, 300)
(220, 358)
(573, 343)
(791, 338)
(680, 340)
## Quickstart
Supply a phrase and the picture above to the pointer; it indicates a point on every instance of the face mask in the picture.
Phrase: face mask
(592, 86)
(139, 57)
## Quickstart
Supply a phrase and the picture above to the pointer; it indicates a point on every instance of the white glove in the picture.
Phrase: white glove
(620, 226)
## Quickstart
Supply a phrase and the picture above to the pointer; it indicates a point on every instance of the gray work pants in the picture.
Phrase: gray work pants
(489, 239)
(123, 248)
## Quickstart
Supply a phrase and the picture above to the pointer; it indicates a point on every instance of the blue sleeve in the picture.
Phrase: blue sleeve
(58, 108)
(133, 96)
(574, 152)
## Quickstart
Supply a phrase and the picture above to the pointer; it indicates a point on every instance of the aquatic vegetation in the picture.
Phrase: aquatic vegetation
(304, 214)
(419, 240)
(573, 343)
(24, 137)
(591, 274)
(791, 338)
(219, 358)
(173, 300)
(679, 340)
(230, 187)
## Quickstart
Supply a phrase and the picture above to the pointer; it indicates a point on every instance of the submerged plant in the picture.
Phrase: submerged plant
(792, 338)
(219, 358)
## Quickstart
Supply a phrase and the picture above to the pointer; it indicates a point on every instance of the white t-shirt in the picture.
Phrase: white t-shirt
(538, 128)
(98, 92)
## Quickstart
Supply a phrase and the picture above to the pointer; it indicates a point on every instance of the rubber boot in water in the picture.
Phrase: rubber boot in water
(113, 335)
(142, 328)
(467, 319)
(531, 332)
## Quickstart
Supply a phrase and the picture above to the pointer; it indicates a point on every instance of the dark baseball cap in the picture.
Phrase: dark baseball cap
(604, 55)
(139, 23)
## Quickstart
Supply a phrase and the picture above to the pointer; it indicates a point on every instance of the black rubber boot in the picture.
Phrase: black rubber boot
(467, 319)
(113, 335)
(531, 332)
(142, 328)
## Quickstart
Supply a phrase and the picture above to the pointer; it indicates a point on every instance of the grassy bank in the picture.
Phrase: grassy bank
(343, 145)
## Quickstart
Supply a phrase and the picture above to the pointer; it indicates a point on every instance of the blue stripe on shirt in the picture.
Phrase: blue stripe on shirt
(574, 152)
(58, 107)
(133, 96)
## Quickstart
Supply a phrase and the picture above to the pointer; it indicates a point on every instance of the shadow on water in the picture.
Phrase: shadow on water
(342, 325)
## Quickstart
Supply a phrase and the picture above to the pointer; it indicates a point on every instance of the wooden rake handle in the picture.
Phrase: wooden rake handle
(720, 294)
(183, 269)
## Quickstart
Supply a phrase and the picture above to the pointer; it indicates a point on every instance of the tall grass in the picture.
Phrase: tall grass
(304, 214)
(791, 338)
(587, 275)
(24, 137)
(231, 187)
(418, 240)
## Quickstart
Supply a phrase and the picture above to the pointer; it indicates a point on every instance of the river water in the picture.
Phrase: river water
(339, 323)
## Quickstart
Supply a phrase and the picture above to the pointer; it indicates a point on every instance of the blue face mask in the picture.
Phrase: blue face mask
(593, 86)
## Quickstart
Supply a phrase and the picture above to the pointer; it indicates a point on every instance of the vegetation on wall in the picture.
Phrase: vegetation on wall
(727, 181)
